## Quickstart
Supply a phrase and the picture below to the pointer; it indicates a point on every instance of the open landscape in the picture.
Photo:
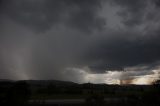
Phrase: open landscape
(79, 52)
(62, 93)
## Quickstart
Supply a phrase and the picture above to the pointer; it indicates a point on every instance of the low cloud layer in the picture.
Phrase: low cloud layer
(41, 39)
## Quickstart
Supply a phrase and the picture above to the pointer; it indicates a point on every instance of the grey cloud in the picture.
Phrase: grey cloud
(124, 53)
(64, 25)
(43, 37)
(133, 11)
(42, 15)
(138, 44)
(157, 2)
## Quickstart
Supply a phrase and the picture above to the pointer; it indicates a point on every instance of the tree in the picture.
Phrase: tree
(18, 94)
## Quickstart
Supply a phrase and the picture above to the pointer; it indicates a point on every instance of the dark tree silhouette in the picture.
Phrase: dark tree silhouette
(151, 97)
(18, 94)
(157, 82)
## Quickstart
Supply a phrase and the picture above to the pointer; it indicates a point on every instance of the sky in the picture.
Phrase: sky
(98, 41)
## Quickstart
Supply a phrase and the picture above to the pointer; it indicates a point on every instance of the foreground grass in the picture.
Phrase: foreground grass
(59, 96)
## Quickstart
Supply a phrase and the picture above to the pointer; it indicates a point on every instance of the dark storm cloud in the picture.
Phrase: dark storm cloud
(157, 2)
(41, 38)
(131, 47)
(133, 11)
(121, 53)
(42, 15)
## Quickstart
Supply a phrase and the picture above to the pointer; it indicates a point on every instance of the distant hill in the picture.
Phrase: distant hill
(68, 83)
(47, 82)
(6, 80)
(42, 82)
